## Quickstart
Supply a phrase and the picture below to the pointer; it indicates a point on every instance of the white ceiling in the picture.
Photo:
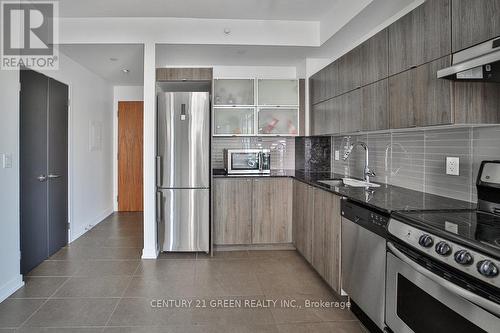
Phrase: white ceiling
(302, 10)
(96, 58)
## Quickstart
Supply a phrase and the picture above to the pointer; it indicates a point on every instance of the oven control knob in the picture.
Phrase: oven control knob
(425, 241)
(487, 268)
(443, 248)
(463, 257)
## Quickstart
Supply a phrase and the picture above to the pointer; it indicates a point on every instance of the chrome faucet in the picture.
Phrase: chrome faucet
(367, 171)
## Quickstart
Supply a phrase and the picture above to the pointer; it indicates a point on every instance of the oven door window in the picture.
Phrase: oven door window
(423, 313)
(245, 161)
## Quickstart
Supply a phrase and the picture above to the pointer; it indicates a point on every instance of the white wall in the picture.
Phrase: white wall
(90, 172)
(121, 93)
(10, 279)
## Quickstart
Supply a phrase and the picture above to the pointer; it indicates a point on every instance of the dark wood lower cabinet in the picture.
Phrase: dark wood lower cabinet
(252, 211)
(232, 211)
(272, 211)
(303, 215)
(316, 226)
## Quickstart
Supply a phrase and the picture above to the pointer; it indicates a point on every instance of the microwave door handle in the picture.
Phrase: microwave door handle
(451, 287)
(260, 161)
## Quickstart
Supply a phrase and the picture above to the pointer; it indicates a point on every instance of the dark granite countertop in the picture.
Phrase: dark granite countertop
(386, 198)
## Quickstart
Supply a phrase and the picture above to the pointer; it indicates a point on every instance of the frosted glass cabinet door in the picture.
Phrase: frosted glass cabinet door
(278, 92)
(233, 121)
(278, 121)
(234, 92)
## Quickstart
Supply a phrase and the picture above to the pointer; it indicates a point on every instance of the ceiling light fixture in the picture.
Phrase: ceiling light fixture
(126, 71)
(227, 31)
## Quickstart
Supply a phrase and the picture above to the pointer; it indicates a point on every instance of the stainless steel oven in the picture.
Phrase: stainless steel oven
(247, 161)
(425, 296)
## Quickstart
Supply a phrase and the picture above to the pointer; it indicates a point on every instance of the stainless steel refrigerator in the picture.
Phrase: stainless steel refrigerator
(183, 171)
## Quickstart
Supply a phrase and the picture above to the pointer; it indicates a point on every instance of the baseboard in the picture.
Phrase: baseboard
(77, 232)
(10, 287)
(150, 253)
(255, 247)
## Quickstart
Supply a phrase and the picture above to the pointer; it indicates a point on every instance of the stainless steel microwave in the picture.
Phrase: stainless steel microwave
(247, 161)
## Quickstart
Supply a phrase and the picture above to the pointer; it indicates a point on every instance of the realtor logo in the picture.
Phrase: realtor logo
(29, 33)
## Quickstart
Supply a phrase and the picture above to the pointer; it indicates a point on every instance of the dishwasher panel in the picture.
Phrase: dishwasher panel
(363, 264)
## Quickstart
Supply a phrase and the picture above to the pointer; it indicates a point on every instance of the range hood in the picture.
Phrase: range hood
(477, 63)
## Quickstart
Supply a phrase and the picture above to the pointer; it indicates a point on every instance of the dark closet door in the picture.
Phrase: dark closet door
(44, 167)
(57, 165)
(33, 172)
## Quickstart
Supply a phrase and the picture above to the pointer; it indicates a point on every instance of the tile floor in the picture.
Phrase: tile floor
(100, 284)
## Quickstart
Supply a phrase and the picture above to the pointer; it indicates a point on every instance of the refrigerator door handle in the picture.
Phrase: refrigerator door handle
(159, 210)
(159, 171)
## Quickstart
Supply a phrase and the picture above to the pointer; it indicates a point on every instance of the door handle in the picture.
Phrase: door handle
(53, 176)
(159, 171)
(41, 178)
(451, 287)
(159, 208)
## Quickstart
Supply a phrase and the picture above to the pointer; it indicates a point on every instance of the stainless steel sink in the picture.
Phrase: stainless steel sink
(348, 182)
(332, 182)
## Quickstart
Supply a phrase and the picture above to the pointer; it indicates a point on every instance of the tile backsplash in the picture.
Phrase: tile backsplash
(282, 149)
(312, 153)
(417, 159)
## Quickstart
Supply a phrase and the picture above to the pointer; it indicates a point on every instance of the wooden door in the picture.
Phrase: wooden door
(272, 211)
(232, 211)
(130, 147)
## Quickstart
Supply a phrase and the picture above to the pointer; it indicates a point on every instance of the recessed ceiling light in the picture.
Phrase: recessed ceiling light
(113, 59)
(126, 71)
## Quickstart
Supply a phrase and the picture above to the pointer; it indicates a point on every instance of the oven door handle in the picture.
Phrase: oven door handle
(451, 287)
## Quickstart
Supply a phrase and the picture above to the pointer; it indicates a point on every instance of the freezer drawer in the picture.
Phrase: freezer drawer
(183, 220)
(183, 158)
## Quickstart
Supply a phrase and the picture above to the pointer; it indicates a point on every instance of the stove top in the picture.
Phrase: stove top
(473, 226)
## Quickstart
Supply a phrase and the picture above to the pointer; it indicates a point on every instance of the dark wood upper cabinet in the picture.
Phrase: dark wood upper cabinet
(184, 74)
(434, 95)
(476, 102)
(349, 71)
(474, 21)
(402, 100)
(314, 88)
(374, 58)
(420, 36)
(418, 98)
(374, 106)
(318, 119)
(350, 112)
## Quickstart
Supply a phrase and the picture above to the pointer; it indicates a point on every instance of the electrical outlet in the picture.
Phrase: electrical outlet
(337, 155)
(453, 166)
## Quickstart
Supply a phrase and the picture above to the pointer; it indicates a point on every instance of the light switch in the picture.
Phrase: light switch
(7, 160)
(337, 155)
